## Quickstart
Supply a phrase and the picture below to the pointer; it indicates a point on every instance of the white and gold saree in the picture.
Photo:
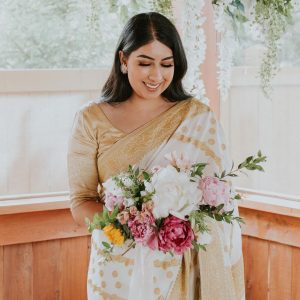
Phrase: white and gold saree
(97, 151)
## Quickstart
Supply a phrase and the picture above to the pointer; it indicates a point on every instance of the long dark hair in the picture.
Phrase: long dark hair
(140, 30)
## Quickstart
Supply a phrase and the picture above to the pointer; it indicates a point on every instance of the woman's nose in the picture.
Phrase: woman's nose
(155, 75)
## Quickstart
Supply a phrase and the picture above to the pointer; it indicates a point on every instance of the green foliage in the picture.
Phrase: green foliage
(273, 17)
(51, 34)
(197, 169)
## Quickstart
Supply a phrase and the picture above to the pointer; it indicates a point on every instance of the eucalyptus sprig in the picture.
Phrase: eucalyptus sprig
(250, 163)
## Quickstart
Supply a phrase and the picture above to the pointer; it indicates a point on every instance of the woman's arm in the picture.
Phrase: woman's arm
(86, 209)
(83, 169)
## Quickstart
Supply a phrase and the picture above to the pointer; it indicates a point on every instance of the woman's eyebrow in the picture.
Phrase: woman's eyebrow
(148, 57)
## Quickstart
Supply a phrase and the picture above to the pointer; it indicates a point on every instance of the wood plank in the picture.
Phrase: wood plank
(270, 226)
(46, 272)
(256, 269)
(39, 226)
(295, 273)
(74, 267)
(18, 261)
(280, 271)
(1, 273)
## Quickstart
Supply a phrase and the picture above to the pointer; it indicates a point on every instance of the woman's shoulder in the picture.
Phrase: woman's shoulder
(89, 108)
(196, 106)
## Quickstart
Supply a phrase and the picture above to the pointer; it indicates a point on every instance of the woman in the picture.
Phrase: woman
(145, 113)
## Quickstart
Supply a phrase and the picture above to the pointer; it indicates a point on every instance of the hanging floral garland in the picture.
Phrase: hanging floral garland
(194, 41)
(270, 17)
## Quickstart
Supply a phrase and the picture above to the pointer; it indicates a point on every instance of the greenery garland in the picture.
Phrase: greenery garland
(273, 17)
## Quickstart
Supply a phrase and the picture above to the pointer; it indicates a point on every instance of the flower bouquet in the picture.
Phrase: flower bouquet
(166, 209)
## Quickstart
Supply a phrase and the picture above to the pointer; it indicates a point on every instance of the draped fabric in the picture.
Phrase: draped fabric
(97, 150)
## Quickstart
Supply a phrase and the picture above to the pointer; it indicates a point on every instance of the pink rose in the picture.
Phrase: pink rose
(111, 201)
(143, 230)
(215, 191)
(133, 211)
(175, 235)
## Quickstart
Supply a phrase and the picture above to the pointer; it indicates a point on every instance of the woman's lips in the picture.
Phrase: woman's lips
(151, 86)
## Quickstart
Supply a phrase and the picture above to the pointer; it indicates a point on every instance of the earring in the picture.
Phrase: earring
(124, 69)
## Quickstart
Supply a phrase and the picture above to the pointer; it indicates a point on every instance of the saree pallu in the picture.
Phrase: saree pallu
(97, 151)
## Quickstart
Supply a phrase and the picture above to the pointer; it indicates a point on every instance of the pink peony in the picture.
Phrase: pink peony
(112, 200)
(143, 230)
(215, 191)
(175, 235)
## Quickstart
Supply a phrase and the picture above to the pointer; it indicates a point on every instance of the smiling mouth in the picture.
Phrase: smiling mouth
(152, 86)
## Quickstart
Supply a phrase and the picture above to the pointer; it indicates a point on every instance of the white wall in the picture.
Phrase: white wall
(252, 122)
(36, 114)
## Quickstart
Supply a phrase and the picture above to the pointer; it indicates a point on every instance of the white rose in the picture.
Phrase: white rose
(204, 238)
(127, 182)
(149, 187)
(111, 187)
(128, 202)
(174, 194)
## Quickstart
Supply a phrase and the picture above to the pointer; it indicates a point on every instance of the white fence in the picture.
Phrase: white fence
(36, 114)
(37, 109)
(252, 122)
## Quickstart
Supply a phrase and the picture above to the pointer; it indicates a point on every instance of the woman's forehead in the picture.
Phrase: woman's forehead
(155, 50)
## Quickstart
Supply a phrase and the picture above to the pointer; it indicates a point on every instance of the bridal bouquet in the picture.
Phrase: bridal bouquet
(165, 209)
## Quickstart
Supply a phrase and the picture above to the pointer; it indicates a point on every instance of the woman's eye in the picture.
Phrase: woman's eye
(144, 65)
(167, 66)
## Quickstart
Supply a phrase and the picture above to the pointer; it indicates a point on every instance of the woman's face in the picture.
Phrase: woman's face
(150, 69)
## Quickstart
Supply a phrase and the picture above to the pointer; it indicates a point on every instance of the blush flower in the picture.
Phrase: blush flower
(175, 235)
(180, 162)
(142, 228)
(214, 191)
(111, 201)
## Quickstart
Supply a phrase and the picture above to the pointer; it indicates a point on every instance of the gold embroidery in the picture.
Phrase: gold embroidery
(238, 277)
(213, 121)
(211, 141)
(114, 273)
(118, 258)
(136, 145)
(166, 264)
(212, 130)
(223, 146)
(200, 145)
(156, 291)
(184, 129)
(118, 285)
(199, 128)
(213, 270)
(103, 284)
(101, 292)
(130, 272)
(169, 274)
(198, 108)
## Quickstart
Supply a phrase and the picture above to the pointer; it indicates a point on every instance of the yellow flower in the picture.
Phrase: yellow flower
(114, 234)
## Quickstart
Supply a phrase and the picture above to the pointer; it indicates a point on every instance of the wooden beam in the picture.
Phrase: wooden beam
(38, 226)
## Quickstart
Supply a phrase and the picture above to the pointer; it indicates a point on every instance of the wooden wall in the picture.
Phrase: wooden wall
(44, 255)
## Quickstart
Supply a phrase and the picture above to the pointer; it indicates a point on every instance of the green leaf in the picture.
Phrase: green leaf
(146, 176)
(114, 213)
(106, 245)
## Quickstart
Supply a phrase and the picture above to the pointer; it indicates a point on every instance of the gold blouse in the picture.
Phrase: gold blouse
(91, 135)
